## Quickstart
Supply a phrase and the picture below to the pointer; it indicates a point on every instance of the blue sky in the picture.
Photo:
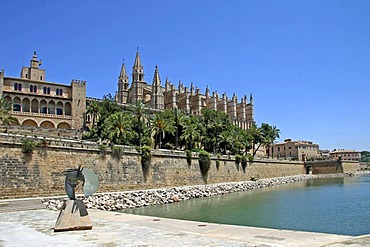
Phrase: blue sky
(307, 63)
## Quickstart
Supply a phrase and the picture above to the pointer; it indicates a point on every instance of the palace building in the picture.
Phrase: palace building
(39, 103)
(191, 101)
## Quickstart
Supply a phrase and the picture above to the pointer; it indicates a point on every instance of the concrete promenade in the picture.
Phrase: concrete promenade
(26, 223)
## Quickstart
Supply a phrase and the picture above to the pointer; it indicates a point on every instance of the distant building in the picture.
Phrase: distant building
(325, 154)
(39, 103)
(295, 150)
(345, 155)
(191, 101)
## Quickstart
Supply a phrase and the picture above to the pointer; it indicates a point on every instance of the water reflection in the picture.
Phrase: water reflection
(335, 205)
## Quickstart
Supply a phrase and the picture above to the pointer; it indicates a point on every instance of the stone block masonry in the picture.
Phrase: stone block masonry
(41, 173)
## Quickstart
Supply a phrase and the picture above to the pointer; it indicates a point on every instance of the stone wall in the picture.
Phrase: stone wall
(352, 166)
(40, 173)
(323, 167)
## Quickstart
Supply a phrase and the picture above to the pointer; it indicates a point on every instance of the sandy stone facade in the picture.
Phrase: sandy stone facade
(345, 155)
(39, 103)
(191, 101)
(296, 150)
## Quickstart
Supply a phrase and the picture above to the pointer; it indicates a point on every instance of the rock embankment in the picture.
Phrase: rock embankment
(130, 199)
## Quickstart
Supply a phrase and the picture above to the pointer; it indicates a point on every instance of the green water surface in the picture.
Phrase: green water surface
(331, 205)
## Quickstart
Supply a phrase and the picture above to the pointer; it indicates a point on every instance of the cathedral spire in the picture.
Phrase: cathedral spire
(123, 74)
(156, 78)
(157, 97)
(137, 69)
(122, 93)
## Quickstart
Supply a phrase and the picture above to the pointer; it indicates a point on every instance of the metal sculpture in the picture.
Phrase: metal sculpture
(73, 214)
(74, 176)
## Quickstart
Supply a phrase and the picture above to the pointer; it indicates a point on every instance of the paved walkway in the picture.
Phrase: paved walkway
(28, 225)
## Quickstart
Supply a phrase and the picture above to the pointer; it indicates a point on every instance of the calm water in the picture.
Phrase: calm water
(335, 205)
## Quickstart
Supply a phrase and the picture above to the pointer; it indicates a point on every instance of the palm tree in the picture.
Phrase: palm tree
(273, 134)
(257, 139)
(160, 125)
(178, 118)
(225, 139)
(140, 114)
(117, 128)
(191, 133)
(5, 117)
(245, 141)
(93, 108)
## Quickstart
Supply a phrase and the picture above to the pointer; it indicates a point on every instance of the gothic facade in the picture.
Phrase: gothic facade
(191, 101)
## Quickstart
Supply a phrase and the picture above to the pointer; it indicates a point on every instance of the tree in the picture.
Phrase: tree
(93, 108)
(225, 140)
(191, 133)
(178, 119)
(160, 125)
(117, 128)
(213, 123)
(5, 117)
(273, 135)
(141, 115)
(256, 138)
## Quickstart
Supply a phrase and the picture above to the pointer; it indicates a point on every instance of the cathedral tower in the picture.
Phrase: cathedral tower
(157, 97)
(122, 94)
(138, 82)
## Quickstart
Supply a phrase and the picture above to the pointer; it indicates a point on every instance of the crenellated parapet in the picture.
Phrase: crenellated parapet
(78, 83)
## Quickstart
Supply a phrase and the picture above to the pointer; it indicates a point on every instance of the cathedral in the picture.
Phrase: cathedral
(190, 101)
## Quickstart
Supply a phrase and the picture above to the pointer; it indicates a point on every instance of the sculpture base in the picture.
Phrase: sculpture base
(73, 216)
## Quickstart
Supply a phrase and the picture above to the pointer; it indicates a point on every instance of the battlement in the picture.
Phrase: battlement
(78, 83)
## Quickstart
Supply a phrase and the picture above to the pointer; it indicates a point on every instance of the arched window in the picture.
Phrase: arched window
(31, 88)
(46, 90)
(16, 107)
(35, 89)
(17, 86)
(57, 91)
(61, 92)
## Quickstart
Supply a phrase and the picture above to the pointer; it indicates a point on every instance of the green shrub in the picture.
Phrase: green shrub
(189, 157)
(250, 157)
(204, 164)
(117, 152)
(218, 161)
(244, 163)
(102, 150)
(238, 159)
(28, 146)
(146, 155)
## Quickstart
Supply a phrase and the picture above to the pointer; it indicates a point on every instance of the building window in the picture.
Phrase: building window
(33, 88)
(46, 90)
(40, 77)
(59, 111)
(16, 107)
(17, 87)
(59, 92)
(44, 110)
